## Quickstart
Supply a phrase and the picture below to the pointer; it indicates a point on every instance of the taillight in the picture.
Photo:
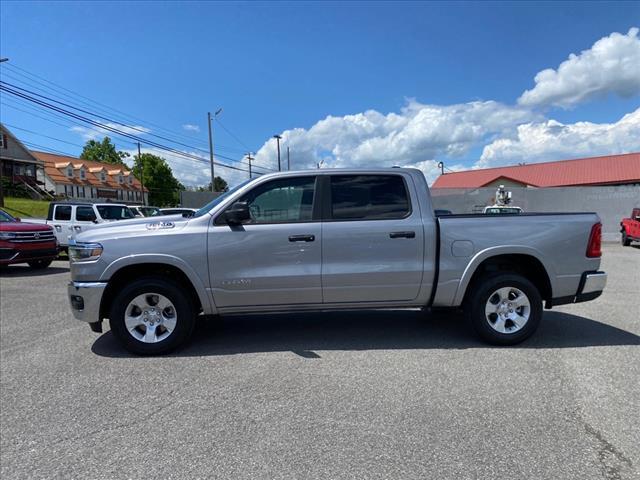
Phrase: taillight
(594, 248)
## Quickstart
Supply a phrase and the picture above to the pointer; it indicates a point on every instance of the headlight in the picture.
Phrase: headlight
(84, 252)
(7, 235)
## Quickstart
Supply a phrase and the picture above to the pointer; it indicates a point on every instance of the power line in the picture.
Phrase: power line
(229, 132)
(113, 129)
(42, 135)
(28, 95)
(90, 102)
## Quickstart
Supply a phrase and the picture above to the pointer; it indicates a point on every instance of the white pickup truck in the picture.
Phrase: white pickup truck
(70, 218)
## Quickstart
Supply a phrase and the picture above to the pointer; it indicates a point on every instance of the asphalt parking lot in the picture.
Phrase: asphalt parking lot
(375, 394)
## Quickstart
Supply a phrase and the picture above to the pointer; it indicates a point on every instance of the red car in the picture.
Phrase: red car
(631, 228)
(26, 242)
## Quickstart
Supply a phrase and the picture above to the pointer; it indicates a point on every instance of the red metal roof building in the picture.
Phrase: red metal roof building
(608, 170)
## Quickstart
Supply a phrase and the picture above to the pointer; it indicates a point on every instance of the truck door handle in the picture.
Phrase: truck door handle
(402, 235)
(302, 238)
(77, 227)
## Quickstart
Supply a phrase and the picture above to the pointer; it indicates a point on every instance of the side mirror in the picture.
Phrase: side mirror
(238, 213)
(18, 219)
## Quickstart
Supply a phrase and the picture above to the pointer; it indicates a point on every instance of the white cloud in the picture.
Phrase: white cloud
(414, 136)
(190, 127)
(552, 140)
(94, 133)
(611, 65)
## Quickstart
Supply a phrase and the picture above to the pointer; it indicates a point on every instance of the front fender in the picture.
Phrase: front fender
(208, 306)
(483, 255)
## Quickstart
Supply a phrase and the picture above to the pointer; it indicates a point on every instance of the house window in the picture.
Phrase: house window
(103, 177)
(83, 174)
(120, 179)
(3, 140)
(70, 171)
(130, 180)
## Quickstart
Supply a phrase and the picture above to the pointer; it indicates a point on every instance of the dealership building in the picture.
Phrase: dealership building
(594, 171)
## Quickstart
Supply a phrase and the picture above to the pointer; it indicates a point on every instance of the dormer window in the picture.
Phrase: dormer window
(83, 174)
(130, 180)
(120, 179)
(103, 176)
(70, 171)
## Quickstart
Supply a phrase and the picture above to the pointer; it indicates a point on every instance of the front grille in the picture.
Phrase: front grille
(29, 237)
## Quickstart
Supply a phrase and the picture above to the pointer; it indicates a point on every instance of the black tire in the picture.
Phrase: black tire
(184, 310)
(39, 264)
(625, 240)
(480, 293)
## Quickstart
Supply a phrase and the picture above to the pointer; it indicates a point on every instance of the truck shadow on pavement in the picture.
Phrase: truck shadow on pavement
(17, 271)
(306, 333)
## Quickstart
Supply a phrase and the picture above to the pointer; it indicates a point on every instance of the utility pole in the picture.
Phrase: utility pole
(441, 167)
(250, 158)
(278, 138)
(211, 150)
(211, 157)
(1, 167)
(144, 202)
(288, 159)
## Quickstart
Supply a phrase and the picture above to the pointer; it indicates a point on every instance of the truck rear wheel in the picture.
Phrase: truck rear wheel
(152, 316)
(625, 240)
(504, 308)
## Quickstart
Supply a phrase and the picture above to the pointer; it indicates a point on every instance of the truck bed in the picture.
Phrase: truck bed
(557, 240)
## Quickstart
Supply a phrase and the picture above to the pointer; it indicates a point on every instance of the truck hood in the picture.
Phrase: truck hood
(23, 227)
(134, 226)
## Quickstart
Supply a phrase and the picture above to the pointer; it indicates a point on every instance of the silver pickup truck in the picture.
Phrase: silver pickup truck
(330, 239)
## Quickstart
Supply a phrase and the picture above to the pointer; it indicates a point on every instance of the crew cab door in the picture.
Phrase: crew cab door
(372, 239)
(275, 257)
(635, 223)
(85, 218)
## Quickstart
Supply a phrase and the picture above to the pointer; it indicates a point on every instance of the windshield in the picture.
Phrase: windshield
(207, 208)
(5, 217)
(114, 212)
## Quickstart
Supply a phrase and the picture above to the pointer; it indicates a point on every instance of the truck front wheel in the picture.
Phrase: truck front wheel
(152, 316)
(625, 240)
(504, 308)
(39, 264)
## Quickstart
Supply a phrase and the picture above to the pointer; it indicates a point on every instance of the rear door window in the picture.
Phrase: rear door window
(63, 213)
(369, 197)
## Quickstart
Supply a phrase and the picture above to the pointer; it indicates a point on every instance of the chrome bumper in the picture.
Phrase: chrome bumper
(85, 298)
(594, 282)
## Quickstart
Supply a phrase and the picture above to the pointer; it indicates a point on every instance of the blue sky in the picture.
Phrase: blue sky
(282, 67)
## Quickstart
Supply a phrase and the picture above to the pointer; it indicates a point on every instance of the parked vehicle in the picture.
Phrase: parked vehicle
(330, 239)
(502, 204)
(143, 211)
(630, 228)
(70, 218)
(501, 210)
(178, 211)
(22, 242)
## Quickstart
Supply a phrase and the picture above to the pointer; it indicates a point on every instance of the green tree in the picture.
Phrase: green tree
(104, 151)
(220, 184)
(164, 188)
